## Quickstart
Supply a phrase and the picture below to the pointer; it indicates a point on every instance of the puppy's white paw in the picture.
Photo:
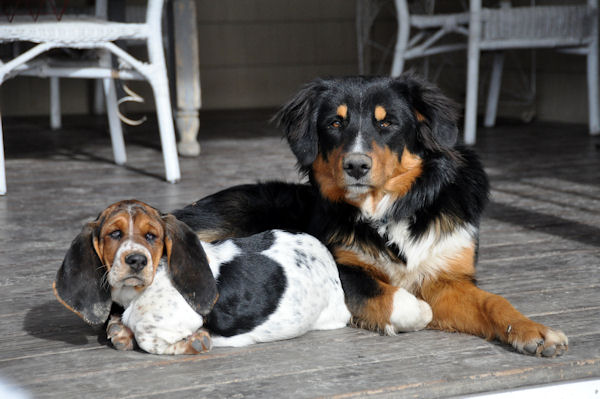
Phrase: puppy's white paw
(119, 335)
(408, 313)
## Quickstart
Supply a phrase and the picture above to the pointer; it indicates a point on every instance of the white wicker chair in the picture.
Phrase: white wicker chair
(569, 28)
(428, 31)
(86, 32)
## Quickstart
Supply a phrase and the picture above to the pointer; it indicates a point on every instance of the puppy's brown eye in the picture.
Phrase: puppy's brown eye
(384, 124)
(150, 237)
(116, 235)
(336, 124)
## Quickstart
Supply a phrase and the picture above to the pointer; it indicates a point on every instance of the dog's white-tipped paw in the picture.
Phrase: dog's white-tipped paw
(409, 313)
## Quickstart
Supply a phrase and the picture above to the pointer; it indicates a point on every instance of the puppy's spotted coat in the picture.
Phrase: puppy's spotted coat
(175, 289)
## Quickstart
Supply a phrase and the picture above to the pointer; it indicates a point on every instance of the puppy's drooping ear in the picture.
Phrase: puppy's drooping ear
(435, 112)
(298, 118)
(188, 266)
(79, 283)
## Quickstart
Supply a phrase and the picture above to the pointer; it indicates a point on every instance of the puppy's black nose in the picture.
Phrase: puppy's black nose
(136, 261)
(357, 165)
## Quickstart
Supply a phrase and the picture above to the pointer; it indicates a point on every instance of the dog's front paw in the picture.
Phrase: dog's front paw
(535, 339)
(409, 313)
(200, 341)
(119, 335)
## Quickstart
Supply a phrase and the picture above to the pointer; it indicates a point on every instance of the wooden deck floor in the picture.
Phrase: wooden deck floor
(540, 248)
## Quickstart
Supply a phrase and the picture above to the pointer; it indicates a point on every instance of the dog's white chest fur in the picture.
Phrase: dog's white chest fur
(160, 316)
(425, 256)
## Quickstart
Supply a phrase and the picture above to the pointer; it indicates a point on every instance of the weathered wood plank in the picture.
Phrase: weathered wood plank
(341, 369)
(564, 271)
(33, 335)
(575, 323)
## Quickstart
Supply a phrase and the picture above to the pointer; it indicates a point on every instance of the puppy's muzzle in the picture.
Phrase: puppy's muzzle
(136, 261)
(357, 165)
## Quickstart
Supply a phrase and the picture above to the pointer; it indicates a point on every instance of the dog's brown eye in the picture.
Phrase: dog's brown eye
(336, 124)
(150, 237)
(116, 234)
(384, 124)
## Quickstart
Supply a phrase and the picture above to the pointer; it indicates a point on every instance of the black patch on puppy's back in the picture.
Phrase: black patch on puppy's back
(250, 288)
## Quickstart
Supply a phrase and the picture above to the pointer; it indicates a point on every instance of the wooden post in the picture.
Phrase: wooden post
(187, 76)
(592, 73)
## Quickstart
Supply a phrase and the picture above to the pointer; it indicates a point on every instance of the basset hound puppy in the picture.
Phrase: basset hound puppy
(182, 296)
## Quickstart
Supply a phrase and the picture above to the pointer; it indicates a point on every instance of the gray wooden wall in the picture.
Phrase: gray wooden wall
(256, 53)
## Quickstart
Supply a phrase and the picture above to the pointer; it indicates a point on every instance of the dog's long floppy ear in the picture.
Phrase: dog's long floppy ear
(188, 266)
(436, 113)
(79, 283)
(298, 119)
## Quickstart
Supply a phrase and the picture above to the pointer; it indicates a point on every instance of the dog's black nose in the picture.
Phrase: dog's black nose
(136, 261)
(357, 165)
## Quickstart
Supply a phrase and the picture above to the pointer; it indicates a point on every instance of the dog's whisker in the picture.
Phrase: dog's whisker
(104, 281)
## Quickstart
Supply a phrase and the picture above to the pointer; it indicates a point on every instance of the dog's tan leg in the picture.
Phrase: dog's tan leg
(374, 303)
(458, 305)
(121, 336)
(390, 310)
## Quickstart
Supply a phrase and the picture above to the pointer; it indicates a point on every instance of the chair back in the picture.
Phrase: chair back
(538, 26)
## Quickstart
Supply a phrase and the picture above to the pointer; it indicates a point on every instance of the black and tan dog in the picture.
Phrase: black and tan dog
(395, 199)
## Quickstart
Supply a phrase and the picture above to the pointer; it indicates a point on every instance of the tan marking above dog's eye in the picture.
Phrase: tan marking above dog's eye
(342, 111)
(380, 113)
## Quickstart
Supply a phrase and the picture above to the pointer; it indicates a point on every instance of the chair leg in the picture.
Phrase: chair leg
(98, 106)
(2, 172)
(55, 117)
(402, 37)
(472, 73)
(494, 91)
(593, 94)
(471, 101)
(116, 131)
(164, 114)
(114, 123)
(360, 40)
(157, 76)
